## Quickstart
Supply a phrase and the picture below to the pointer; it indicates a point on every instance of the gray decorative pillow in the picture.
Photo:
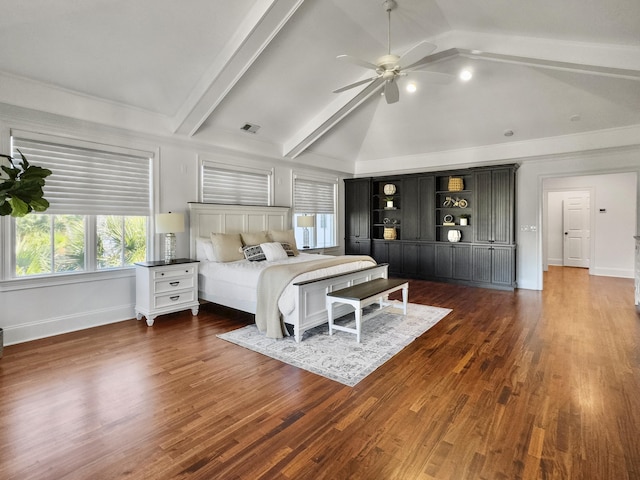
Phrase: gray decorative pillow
(288, 249)
(254, 253)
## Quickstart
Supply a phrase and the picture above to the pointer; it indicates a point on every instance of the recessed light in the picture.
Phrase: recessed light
(466, 75)
(508, 133)
(411, 87)
(575, 118)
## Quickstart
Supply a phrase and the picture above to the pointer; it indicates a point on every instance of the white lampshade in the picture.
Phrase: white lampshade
(169, 222)
(306, 221)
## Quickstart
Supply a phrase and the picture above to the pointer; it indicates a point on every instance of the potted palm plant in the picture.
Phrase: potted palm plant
(21, 187)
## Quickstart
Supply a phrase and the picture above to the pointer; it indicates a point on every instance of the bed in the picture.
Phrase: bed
(301, 304)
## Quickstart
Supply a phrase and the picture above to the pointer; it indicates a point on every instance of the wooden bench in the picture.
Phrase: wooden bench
(363, 294)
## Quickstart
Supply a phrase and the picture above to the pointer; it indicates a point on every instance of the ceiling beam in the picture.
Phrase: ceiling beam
(260, 26)
(328, 118)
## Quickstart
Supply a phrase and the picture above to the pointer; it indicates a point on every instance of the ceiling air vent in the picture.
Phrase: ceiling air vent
(250, 128)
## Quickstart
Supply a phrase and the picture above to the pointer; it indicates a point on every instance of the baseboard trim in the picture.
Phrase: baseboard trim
(613, 272)
(27, 332)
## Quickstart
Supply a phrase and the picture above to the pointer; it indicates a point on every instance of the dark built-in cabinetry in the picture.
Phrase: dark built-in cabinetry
(411, 224)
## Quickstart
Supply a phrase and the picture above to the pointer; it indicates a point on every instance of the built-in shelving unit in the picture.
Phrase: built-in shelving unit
(411, 228)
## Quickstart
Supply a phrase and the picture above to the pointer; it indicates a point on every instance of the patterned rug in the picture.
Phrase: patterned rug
(339, 357)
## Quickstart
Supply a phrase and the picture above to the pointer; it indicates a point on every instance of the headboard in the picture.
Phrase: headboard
(207, 218)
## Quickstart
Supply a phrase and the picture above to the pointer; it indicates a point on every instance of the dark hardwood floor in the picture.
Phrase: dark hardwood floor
(510, 385)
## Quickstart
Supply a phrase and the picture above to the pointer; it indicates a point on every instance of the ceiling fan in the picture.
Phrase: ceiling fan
(390, 67)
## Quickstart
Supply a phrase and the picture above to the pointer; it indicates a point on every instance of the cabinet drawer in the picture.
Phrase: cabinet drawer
(159, 273)
(175, 298)
(172, 284)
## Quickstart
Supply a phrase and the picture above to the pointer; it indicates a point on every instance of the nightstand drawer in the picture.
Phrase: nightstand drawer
(178, 283)
(172, 272)
(175, 298)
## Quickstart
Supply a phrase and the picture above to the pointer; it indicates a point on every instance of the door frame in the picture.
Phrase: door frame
(545, 220)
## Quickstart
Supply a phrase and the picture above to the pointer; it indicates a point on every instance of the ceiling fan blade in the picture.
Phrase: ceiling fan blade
(357, 61)
(416, 54)
(356, 84)
(437, 78)
(391, 91)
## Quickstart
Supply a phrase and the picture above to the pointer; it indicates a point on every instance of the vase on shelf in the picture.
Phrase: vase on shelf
(390, 233)
(454, 235)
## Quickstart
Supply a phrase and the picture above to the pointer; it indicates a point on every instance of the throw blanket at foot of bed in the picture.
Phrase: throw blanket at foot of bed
(272, 282)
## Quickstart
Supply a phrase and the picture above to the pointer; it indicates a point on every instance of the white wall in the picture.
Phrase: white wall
(39, 308)
(534, 173)
(612, 243)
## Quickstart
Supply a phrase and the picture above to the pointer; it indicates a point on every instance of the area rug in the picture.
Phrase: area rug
(339, 357)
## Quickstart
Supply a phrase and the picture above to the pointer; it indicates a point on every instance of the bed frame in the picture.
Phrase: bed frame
(310, 296)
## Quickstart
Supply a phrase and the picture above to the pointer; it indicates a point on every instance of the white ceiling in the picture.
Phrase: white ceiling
(203, 68)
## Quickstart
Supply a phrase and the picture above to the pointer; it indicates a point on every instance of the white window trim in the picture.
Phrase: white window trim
(7, 226)
(318, 177)
(269, 172)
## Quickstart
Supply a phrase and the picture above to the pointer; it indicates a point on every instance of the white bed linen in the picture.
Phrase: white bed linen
(240, 279)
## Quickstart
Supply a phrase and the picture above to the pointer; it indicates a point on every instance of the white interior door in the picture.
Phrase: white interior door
(577, 231)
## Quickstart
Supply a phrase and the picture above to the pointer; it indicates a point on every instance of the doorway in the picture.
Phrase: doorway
(568, 228)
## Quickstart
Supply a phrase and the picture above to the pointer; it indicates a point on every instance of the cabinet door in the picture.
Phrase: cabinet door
(503, 262)
(395, 257)
(428, 208)
(444, 261)
(357, 207)
(453, 261)
(388, 252)
(494, 264)
(426, 260)
(357, 246)
(418, 215)
(494, 206)
(462, 262)
(410, 209)
(380, 251)
(482, 263)
(410, 256)
(502, 184)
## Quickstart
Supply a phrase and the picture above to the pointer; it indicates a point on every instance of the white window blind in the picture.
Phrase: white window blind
(89, 181)
(235, 187)
(312, 196)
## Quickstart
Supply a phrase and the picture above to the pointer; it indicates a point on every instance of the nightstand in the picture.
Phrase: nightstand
(166, 288)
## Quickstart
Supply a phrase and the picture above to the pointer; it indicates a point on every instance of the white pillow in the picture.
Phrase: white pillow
(273, 251)
(204, 249)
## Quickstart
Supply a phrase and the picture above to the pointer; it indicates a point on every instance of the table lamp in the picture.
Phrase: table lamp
(169, 224)
(306, 221)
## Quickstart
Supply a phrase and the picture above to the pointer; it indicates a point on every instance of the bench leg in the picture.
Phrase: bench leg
(358, 322)
(330, 313)
(405, 298)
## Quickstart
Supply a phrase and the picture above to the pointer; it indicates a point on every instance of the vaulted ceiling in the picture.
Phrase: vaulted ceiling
(559, 75)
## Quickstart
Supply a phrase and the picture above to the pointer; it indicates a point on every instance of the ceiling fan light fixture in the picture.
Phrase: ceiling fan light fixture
(411, 87)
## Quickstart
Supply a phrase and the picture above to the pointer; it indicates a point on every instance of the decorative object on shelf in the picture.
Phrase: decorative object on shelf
(447, 220)
(306, 222)
(389, 189)
(455, 202)
(21, 190)
(454, 235)
(464, 219)
(390, 233)
(456, 184)
(389, 201)
(169, 224)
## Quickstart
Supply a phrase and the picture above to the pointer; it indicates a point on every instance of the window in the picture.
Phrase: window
(231, 185)
(99, 207)
(317, 198)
